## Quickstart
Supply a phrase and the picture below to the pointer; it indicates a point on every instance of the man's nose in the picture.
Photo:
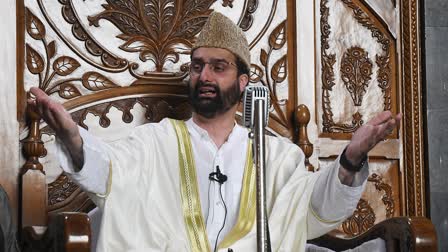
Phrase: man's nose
(206, 74)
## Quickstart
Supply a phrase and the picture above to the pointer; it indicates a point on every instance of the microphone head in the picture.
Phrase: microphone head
(251, 94)
(222, 178)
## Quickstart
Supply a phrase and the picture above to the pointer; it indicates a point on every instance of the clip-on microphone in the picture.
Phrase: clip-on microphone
(218, 176)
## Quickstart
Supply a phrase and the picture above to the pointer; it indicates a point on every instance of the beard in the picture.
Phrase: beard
(209, 107)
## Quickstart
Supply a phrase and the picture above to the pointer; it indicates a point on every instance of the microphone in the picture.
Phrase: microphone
(218, 176)
(251, 94)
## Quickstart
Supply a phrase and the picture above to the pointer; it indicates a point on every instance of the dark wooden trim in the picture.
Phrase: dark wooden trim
(291, 36)
(67, 232)
(400, 234)
(20, 54)
(413, 133)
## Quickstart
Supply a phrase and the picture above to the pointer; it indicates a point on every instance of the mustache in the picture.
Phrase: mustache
(207, 84)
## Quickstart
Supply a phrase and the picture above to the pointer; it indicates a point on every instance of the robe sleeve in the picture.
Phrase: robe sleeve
(306, 205)
(120, 162)
(332, 202)
(94, 175)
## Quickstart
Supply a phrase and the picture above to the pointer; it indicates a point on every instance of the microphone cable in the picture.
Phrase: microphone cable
(225, 216)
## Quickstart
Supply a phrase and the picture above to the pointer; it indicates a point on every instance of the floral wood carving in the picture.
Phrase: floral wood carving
(65, 196)
(155, 28)
(387, 198)
(226, 3)
(271, 75)
(156, 110)
(60, 190)
(383, 61)
(46, 68)
(356, 72)
(248, 16)
(112, 62)
(348, 128)
(362, 219)
(328, 61)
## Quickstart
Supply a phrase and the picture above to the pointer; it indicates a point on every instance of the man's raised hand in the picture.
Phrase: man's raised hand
(370, 134)
(54, 114)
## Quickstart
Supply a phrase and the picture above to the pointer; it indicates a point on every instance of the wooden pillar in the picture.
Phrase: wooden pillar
(302, 120)
(33, 194)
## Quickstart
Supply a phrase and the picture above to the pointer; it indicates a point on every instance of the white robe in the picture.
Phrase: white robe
(144, 210)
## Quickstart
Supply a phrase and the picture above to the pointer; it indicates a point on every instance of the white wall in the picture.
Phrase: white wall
(9, 151)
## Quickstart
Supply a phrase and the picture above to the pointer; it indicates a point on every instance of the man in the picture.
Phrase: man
(163, 188)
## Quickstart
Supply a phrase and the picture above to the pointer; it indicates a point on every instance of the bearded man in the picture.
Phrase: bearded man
(162, 188)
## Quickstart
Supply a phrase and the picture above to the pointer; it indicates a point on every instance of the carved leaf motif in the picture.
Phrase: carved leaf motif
(191, 27)
(126, 5)
(95, 81)
(51, 49)
(264, 57)
(60, 190)
(65, 65)
(160, 14)
(137, 44)
(156, 28)
(68, 91)
(34, 26)
(248, 17)
(279, 70)
(278, 36)
(256, 73)
(128, 23)
(226, 3)
(34, 61)
(362, 219)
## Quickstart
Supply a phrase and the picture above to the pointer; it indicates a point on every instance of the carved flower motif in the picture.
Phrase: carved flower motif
(356, 72)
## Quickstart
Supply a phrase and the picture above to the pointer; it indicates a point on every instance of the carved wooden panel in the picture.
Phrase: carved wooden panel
(397, 79)
(368, 60)
(382, 198)
(77, 49)
(371, 43)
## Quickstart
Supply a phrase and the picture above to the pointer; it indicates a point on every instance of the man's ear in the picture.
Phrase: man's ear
(243, 81)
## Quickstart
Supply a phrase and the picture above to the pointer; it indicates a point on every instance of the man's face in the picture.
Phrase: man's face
(214, 86)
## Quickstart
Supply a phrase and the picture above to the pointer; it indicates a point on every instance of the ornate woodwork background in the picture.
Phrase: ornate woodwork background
(363, 67)
(115, 64)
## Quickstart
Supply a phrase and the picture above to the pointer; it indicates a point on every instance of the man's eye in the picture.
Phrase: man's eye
(196, 66)
(219, 67)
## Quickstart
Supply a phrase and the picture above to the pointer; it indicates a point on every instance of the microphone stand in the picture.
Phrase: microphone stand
(263, 239)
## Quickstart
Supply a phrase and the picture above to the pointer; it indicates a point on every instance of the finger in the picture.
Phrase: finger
(39, 108)
(31, 102)
(37, 92)
(43, 103)
(41, 97)
(381, 118)
(50, 120)
(387, 128)
(398, 118)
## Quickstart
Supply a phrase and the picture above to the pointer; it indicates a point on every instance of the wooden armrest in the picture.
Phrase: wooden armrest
(399, 233)
(66, 232)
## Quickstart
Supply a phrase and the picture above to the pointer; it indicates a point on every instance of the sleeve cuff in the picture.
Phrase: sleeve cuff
(333, 201)
(350, 195)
